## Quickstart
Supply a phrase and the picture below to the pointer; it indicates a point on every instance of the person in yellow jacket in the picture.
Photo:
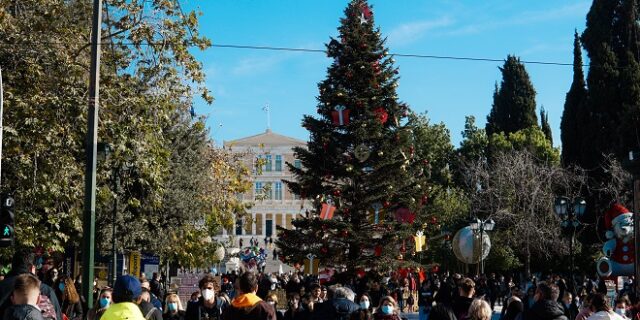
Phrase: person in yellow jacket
(126, 296)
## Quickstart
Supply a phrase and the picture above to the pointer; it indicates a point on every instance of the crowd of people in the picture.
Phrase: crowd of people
(26, 294)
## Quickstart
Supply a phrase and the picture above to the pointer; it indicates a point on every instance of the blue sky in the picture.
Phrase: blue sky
(243, 81)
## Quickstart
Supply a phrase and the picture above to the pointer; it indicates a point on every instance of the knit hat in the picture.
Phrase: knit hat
(125, 284)
(616, 214)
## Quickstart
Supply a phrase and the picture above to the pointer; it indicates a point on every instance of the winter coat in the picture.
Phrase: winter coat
(149, 311)
(335, 309)
(249, 307)
(605, 315)
(6, 289)
(545, 310)
(382, 316)
(461, 307)
(22, 312)
(123, 310)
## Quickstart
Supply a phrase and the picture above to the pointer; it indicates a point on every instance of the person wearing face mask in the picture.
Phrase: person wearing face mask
(569, 307)
(272, 299)
(365, 308)
(104, 301)
(388, 310)
(621, 307)
(601, 310)
(208, 307)
(174, 310)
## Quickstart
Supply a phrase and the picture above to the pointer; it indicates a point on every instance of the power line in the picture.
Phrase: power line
(308, 50)
(424, 56)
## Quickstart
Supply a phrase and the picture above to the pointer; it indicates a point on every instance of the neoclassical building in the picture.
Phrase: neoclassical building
(273, 205)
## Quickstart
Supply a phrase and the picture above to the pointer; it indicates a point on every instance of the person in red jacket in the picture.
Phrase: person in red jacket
(247, 305)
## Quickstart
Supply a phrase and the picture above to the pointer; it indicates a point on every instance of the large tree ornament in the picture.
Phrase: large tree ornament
(340, 116)
(381, 114)
(362, 152)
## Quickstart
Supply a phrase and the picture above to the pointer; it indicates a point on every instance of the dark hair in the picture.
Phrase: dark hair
(441, 312)
(548, 291)
(314, 286)
(25, 283)
(206, 279)
(600, 302)
(247, 282)
(23, 260)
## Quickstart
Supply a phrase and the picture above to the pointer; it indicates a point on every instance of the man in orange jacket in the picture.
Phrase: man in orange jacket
(247, 305)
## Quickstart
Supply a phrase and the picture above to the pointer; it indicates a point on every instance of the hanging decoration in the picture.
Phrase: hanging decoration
(404, 215)
(378, 250)
(381, 114)
(365, 13)
(326, 213)
(340, 116)
(376, 212)
(362, 152)
(420, 239)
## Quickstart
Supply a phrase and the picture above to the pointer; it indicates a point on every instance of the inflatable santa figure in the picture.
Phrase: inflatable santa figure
(619, 250)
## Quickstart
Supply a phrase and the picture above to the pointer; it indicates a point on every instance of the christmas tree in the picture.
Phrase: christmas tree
(361, 170)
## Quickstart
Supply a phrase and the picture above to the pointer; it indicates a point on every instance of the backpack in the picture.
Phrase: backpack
(150, 313)
(48, 310)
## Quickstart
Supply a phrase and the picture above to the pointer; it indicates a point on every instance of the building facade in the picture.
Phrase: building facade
(273, 204)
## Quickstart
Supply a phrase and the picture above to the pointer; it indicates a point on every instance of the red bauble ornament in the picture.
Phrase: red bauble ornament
(386, 204)
(435, 269)
(404, 215)
(377, 251)
(363, 46)
(434, 220)
(424, 199)
(325, 146)
(425, 162)
(344, 233)
(345, 210)
(381, 114)
(336, 193)
(359, 104)
(324, 250)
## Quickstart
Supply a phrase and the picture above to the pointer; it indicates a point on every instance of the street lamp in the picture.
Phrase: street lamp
(570, 214)
(479, 227)
(104, 151)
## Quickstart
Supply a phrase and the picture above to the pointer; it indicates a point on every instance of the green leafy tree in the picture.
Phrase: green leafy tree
(532, 140)
(148, 80)
(371, 160)
(574, 125)
(514, 101)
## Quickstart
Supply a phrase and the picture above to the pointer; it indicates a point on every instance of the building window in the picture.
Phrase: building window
(268, 191)
(298, 164)
(278, 191)
(258, 191)
(239, 227)
(278, 162)
(267, 163)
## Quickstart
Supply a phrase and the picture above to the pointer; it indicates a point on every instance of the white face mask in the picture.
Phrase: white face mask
(364, 304)
(620, 311)
(207, 294)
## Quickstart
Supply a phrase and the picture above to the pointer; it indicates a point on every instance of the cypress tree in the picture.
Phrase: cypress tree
(574, 116)
(603, 101)
(629, 129)
(514, 102)
(544, 125)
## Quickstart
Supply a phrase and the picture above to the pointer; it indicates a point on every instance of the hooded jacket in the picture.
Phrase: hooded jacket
(22, 312)
(545, 310)
(249, 307)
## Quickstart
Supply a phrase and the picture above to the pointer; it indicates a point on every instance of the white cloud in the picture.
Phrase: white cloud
(525, 18)
(412, 31)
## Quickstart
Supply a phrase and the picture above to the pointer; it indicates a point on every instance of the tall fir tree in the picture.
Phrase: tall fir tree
(573, 127)
(514, 101)
(629, 77)
(360, 170)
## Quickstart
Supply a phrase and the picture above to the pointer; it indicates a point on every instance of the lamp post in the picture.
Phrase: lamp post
(104, 151)
(570, 213)
(479, 227)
